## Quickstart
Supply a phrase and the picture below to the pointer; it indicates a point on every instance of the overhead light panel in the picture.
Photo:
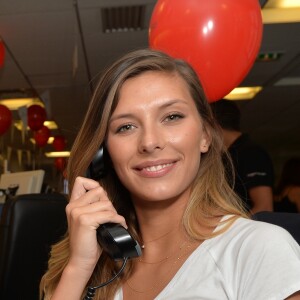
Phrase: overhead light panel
(50, 124)
(281, 11)
(57, 154)
(243, 93)
(282, 4)
(16, 103)
(50, 140)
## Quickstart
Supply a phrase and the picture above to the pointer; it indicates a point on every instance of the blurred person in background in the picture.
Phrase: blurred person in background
(254, 176)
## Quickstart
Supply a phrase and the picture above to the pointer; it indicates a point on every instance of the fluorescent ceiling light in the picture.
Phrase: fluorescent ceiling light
(282, 4)
(290, 15)
(243, 93)
(58, 154)
(50, 140)
(19, 125)
(281, 11)
(50, 124)
(16, 103)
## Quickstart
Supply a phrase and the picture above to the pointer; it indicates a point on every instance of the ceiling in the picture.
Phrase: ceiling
(58, 48)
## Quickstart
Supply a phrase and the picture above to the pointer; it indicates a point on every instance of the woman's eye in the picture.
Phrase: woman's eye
(174, 117)
(125, 128)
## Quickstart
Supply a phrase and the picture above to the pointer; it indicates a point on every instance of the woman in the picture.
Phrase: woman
(165, 182)
(287, 193)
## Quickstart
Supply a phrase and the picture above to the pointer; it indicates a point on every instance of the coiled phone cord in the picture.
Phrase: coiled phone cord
(92, 290)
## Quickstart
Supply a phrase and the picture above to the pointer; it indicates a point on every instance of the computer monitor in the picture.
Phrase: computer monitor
(29, 182)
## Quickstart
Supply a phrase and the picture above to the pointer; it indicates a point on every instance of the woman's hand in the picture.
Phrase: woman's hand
(88, 208)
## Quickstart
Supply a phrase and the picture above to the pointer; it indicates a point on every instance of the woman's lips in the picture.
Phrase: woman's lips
(155, 169)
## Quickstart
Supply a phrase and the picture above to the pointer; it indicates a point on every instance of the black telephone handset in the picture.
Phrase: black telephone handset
(113, 238)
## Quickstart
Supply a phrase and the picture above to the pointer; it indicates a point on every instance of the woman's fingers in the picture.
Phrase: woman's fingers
(89, 205)
(81, 186)
(95, 213)
(89, 196)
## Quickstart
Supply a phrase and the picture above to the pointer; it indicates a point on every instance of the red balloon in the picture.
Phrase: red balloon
(36, 116)
(59, 143)
(41, 136)
(60, 163)
(219, 38)
(5, 119)
(2, 54)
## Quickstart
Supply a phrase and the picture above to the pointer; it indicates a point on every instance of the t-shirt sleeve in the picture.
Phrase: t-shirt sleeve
(257, 168)
(268, 264)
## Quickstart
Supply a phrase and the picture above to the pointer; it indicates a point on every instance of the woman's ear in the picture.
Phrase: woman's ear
(204, 149)
(205, 142)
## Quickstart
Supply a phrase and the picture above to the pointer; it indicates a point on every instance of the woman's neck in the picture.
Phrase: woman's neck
(156, 219)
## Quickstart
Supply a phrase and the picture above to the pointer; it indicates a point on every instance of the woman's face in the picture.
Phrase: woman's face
(155, 137)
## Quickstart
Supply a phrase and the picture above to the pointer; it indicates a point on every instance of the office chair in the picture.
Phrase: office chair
(29, 225)
(289, 221)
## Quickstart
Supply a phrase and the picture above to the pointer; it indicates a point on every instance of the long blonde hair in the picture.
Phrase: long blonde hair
(211, 196)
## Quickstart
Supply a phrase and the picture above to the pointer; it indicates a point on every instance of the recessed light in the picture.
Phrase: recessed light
(243, 93)
(281, 11)
(282, 4)
(58, 154)
(16, 103)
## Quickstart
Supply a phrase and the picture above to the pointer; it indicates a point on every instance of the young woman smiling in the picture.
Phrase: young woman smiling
(165, 182)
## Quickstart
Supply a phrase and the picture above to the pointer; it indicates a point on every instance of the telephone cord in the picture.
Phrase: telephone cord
(92, 290)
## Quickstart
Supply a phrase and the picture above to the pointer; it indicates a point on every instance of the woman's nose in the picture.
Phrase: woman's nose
(150, 140)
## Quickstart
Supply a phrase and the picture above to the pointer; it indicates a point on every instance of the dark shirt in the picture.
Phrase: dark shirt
(285, 205)
(253, 167)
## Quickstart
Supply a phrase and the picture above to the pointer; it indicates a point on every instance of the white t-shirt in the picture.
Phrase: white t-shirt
(252, 260)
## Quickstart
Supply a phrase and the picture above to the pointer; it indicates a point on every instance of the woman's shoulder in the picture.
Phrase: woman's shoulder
(247, 242)
(252, 234)
(255, 226)
(258, 230)
(252, 257)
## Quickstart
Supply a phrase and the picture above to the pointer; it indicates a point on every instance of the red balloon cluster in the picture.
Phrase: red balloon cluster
(59, 143)
(5, 119)
(36, 116)
(219, 38)
(60, 163)
(2, 54)
(41, 136)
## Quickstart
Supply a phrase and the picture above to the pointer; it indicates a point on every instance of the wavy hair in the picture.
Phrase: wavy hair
(211, 195)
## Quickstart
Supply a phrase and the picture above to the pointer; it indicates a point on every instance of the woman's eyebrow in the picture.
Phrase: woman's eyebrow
(132, 116)
(121, 116)
(173, 102)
